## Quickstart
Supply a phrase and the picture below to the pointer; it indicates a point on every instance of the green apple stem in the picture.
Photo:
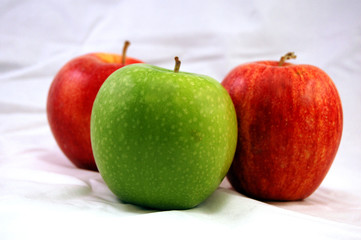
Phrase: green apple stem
(287, 56)
(124, 55)
(177, 64)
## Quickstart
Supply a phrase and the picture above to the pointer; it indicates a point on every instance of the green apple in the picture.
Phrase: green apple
(162, 139)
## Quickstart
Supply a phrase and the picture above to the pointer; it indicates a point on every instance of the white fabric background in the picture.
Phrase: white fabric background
(43, 196)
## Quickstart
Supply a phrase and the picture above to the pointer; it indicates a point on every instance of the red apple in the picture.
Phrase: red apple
(289, 128)
(70, 102)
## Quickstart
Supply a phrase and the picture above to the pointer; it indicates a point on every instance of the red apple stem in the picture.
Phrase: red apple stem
(125, 48)
(287, 56)
(177, 64)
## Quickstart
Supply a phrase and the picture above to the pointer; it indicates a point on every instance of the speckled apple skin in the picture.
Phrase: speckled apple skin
(162, 139)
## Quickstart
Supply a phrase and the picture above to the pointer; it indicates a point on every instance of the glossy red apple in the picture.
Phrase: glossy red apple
(289, 128)
(70, 101)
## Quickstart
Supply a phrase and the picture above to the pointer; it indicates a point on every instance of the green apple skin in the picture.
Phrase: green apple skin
(161, 139)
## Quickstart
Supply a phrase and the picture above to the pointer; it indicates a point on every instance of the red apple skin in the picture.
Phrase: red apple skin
(290, 124)
(70, 101)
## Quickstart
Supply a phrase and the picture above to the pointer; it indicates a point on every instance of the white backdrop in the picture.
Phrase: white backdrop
(43, 195)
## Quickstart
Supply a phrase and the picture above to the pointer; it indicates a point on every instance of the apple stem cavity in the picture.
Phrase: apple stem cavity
(177, 64)
(125, 48)
(287, 56)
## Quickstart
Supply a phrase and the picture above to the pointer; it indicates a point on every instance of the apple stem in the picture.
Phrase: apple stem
(287, 56)
(177, 64)
(124, 55)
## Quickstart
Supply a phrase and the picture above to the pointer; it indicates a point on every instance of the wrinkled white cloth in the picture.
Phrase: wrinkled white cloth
(43, 196)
